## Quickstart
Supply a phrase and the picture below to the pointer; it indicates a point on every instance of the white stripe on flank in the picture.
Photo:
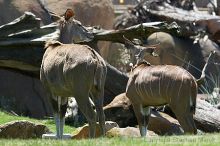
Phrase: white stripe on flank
(135, 86)
(167, 87)
(164, 70)
(142, 89)
(145, 89)
(139, 88)
(160, 78)
(150, 86)
(191, 100)
(180, 85)
(177, 74)
(172, 82)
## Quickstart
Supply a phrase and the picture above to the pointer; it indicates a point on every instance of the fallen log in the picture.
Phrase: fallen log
(138, 31)
(207, 117)
(21, 24)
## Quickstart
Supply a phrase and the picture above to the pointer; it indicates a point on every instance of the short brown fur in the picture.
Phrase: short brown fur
(72, 70)
(150, 85)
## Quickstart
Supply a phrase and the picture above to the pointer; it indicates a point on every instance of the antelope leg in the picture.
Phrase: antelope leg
(87, 110)
(59, 119)
(62, 122)
(187, 123)
(146, 114)
(98, 101)
(185, 118)
(58, 127)
(141, 114)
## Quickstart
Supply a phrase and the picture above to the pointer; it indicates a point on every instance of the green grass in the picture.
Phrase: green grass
(206, 140)
(189, 140)
(4, 118)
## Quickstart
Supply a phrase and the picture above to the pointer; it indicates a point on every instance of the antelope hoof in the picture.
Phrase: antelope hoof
(54, 136)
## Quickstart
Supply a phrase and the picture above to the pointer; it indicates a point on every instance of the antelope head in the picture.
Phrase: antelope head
(71, 30)
(138, 51)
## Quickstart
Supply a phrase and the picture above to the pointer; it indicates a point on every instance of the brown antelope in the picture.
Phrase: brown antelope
(158, 85)
(71, 70)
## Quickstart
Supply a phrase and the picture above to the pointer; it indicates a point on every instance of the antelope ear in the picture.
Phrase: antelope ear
(68, 14)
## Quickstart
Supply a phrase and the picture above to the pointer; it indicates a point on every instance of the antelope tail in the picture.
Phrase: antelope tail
(98, 78)
(202, 77)
(99, 72)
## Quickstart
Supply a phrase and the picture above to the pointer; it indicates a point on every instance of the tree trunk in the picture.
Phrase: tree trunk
(207, 117)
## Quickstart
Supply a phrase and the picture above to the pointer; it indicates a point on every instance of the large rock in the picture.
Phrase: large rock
(120, 111)
(12, 9)
(92, 12)
(163, 124)
(23, 130)
(83, 132)
(23, 95)
(127, 132)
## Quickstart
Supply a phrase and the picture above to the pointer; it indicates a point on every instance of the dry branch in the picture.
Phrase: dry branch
(138, 31)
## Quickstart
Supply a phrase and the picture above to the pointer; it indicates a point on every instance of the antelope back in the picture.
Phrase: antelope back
(159, 84)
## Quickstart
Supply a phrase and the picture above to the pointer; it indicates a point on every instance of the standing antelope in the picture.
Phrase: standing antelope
(71, 70)
(163, 84)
